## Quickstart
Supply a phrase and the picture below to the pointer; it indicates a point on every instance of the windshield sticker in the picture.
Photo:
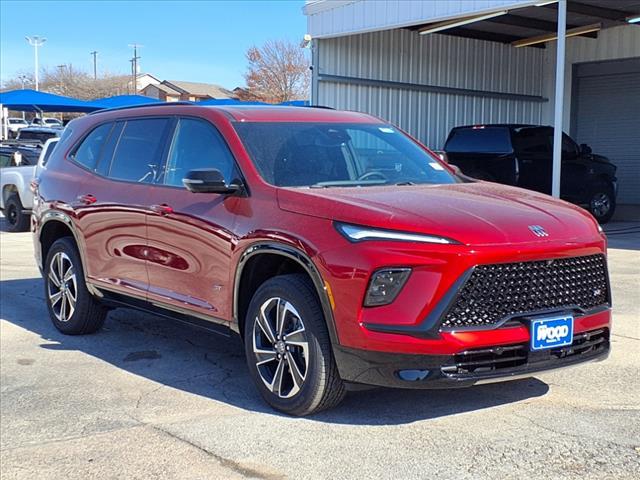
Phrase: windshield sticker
(436, 166)
(386, 130)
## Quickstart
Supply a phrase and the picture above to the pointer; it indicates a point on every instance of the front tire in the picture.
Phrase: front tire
(288, 347)
(73, 310)
(17, 220)
(602, 203)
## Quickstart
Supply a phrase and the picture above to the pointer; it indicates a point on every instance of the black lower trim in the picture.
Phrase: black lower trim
(466, 368)
(113, 299)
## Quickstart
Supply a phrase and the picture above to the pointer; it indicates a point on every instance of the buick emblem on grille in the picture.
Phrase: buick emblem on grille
(538, 231)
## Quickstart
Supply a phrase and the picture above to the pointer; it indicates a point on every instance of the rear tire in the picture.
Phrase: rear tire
(602, 202)
(288, 347)
(17, 220)
(73, 310)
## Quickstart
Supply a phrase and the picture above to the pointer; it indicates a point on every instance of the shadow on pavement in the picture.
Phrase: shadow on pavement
(623, 235)
(213, 366)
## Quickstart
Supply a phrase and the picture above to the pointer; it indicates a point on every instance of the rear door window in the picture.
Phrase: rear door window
(479, 140)
(138, 153)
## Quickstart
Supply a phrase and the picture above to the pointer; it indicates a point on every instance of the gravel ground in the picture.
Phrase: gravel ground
(147, 398)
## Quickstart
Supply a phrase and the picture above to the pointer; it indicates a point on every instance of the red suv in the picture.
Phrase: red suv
(340, 249)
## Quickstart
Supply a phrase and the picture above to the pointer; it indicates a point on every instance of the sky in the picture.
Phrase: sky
(200, 41)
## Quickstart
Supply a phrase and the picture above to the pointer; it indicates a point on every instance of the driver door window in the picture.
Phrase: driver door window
(197, 144)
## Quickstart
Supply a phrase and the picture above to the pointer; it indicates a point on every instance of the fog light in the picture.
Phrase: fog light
(385, 286)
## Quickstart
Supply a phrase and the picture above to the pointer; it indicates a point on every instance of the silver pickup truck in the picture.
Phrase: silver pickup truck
(16, 200)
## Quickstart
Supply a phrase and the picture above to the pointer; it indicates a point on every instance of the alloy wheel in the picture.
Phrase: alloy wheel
(600, 204)
(280, 347)
(62, 286)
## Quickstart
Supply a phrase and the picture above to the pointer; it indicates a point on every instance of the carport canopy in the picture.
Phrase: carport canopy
(119, 101)
(519, 23)
(34, 101)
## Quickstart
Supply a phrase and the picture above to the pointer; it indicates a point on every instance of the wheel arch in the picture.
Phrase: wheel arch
(286, 253)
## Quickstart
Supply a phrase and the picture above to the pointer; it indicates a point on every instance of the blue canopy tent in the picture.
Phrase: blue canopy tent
(33, 101)
(122, 101)
(295, 103)
(226, 101)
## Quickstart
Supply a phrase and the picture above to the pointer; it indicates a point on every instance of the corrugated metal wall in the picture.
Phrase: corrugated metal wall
(436, 60)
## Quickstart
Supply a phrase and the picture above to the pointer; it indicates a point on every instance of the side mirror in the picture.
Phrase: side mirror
(585, 149)
(209, 180)
(456, 169)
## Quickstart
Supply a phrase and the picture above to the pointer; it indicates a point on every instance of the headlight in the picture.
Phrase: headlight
(357, 233)
(385, 285)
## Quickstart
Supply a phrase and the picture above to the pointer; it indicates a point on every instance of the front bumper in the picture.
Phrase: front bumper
(481, 365)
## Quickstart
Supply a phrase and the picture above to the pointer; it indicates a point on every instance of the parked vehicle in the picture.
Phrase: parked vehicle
(338, 248)
(522, 155)
(16, 201)
(14, 155)
(37, 134)
(14, 124)
(46, 122)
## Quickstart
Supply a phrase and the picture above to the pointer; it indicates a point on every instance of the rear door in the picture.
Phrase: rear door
(190, 237)
(123, 159)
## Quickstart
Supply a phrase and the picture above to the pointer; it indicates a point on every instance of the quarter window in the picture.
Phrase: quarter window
(138, 154)
(89, 150)
(197, 144)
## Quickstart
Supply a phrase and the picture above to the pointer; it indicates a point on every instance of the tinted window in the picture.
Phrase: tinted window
(479, 140)
(532, 141)
(138, 153)
(333, 154)
(39, 136)
(197, 144)
(47, 154)
(89, 150)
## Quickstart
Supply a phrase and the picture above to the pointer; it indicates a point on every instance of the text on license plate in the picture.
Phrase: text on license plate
(551, 332)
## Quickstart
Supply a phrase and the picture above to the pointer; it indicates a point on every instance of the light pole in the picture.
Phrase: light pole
(95, 64)
(36, 42)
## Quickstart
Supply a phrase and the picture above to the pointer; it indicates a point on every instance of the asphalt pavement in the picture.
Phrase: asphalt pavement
(148, 398)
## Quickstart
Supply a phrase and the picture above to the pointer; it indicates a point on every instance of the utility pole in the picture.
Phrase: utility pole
(95, 64)
(23, 78)
(61, 78)
(134, 66)
(36, 41)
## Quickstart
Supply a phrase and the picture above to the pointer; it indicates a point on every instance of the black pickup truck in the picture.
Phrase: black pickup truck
(522, 155)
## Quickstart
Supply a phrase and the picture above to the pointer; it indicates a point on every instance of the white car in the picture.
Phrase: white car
(14, 124)
(16, 200)
(46, 122)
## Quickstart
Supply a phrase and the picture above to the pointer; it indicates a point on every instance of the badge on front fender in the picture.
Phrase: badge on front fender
(551, 332)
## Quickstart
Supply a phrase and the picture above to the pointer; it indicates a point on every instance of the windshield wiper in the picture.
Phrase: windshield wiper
(347, 183)
(402, 184)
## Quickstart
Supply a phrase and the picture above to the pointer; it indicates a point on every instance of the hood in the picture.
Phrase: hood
(478, 213)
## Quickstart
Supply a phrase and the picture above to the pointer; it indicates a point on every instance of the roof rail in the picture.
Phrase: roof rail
(143, 105)
(320, 106)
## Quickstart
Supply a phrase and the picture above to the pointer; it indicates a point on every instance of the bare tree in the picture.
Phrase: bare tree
(277, 72)
(70, 81)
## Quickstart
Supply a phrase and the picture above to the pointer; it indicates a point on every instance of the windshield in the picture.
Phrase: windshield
(321, 155)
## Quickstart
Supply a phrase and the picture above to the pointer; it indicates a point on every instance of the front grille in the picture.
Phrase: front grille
(483, 361)
(497, 292)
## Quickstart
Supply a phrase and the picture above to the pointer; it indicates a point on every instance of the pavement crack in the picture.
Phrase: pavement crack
(624, 336)
(232, 465)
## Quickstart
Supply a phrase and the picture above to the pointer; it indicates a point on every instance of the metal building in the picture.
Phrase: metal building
(430, 65)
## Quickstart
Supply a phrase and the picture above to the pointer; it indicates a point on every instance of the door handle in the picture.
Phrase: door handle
(163, 209)
(87, 199)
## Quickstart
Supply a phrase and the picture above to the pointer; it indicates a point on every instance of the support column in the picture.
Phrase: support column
(559, 97)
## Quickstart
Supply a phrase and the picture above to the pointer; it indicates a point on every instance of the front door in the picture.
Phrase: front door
(190, 237)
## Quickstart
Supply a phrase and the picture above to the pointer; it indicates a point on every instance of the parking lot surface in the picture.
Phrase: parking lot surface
(148, 398)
